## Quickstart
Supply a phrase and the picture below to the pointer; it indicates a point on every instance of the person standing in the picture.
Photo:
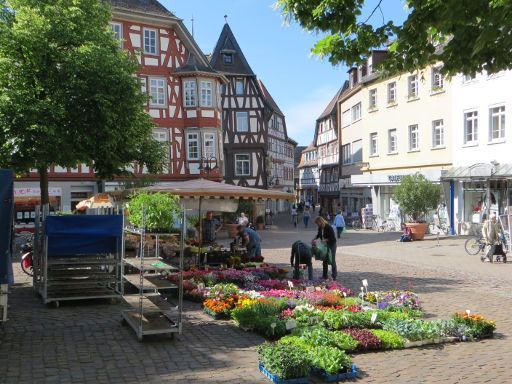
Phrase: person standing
(251, 240)
(326, 234)
(294, 214)
(306, 216)
(243, 220)
(491, 232)
(210, 228)
(339, 223)
(301, 254)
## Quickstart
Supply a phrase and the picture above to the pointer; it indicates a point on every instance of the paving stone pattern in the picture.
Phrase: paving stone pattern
(85, 342)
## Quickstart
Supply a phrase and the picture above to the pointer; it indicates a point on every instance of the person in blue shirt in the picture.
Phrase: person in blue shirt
(339, 223)
(251, 240)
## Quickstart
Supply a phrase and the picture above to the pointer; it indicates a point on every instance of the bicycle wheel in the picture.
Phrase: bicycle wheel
(472, 246)
(356, 225)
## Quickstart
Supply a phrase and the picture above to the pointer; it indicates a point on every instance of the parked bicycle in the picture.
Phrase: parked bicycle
(27, 258)
(474, 245)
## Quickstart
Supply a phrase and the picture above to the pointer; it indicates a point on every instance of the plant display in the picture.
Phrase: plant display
(160, 210)
(222, 291)
(366, 340)
(283, 360)
(417, 196)
(389, 340)
(477, 326)
(330, 359)
(413, 329)
(394, 299)
(319, 336)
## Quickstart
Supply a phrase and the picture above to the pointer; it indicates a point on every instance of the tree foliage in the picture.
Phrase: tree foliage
(467, 36)
(416, 196)
(68, 94)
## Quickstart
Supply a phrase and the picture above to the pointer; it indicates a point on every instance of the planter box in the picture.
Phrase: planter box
(350, 374)
(420, 343)
(417, 230)
(276, 380)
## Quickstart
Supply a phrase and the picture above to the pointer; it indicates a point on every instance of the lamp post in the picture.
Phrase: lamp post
(206, 164)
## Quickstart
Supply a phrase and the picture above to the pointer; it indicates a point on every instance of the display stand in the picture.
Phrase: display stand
(152, 313)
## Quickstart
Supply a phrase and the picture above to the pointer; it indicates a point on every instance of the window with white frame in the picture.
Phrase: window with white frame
(239, 87)
(193, 152)
(392, 141)
(190, 93)
(157, 92)
(209, 145)
(470, 127)
(356, 112)
(242, 121)
(438, 133)
(227, 58)
(437, 79)
(374, 144)
(162, 136)
(392, 92)
(345, 118)
(346, 154)
(150, 37)
(117, 28)
(242, 164)
(413, 86)
(206, 94)
(357, 151)
(414, 142)
(373, 98)
(496, 123)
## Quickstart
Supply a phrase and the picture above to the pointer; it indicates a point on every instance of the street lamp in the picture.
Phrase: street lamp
(206, 164)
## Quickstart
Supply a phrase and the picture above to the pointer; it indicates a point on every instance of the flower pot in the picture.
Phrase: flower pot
(417, 230)
(231, 229)
(276, 380)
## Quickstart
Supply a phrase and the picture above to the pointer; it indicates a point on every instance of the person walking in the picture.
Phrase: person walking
(251, 240)
(305, 216)
(491, 232)
(327, 236)
(294, 214)
(339, 223)
(301, 254)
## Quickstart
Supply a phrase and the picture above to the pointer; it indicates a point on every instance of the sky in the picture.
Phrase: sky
(279, 54)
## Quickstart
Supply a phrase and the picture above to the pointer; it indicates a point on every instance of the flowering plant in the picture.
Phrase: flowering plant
(477, 325)
(394, 298)
(365, 338)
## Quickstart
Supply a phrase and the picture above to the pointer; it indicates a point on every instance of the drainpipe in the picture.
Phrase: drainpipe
(452, 208)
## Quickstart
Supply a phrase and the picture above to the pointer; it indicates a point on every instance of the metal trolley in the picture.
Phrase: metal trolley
(152, 313)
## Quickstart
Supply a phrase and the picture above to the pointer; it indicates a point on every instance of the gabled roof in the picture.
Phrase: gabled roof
(195, 65)
(333, 105)
(227, 44)
(268, 98)
(147, 6)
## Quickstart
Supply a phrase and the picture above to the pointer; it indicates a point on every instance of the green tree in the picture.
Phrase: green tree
(475, 35)
(416, 196)
(68, 94)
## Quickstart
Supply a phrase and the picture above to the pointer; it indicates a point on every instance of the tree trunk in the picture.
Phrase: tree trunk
(43, 185)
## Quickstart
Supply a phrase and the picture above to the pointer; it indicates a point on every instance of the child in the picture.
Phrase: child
(406, 234)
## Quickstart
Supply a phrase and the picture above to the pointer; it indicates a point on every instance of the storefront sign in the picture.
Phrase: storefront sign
(36, 192)
(395, 178)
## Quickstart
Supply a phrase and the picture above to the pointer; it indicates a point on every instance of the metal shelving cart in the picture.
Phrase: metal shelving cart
(151, 313)
(80, 258)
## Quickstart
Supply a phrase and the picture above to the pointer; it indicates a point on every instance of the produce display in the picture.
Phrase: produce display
(313, 327)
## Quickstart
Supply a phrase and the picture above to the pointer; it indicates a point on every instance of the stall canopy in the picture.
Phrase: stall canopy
(213, 189)
(80, 234)
(101, 200)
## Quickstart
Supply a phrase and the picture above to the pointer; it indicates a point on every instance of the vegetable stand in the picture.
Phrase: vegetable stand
(151, 313)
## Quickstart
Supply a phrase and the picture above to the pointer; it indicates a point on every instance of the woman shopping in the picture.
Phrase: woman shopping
(327, 236)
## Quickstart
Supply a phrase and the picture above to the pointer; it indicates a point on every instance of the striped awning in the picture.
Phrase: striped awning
(212, 189)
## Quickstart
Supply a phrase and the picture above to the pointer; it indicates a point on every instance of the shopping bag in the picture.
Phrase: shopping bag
(322, 252)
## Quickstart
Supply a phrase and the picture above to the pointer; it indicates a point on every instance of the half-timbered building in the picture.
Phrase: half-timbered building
(184, 102)
(257, 150)
(309, 180)
(326, 141)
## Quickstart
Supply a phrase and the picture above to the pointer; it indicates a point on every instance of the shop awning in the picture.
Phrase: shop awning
(478, 171)
(101, 200)
(213, 189)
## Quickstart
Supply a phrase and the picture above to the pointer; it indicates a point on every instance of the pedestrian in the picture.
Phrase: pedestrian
(306, 216)
(301, 254)
(491, 232)
(210, 228)
(251, 240)
(294, 215)
(243, 220)
(339, 223)
(406, 234)
(327, 236)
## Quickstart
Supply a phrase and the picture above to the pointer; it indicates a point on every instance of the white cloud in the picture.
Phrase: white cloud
(302, 114)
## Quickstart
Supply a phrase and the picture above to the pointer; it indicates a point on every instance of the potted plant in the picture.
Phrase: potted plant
(160, 211)
(230, 223)
(416, 196)
(260, 223)
(283, 363)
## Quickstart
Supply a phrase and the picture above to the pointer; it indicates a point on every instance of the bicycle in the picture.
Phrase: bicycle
(355, 224)
(474, 245)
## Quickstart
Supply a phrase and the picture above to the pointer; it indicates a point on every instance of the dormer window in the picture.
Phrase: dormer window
(227, 58)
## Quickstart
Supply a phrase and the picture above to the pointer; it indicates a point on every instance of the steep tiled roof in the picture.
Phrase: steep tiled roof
(194, 65)
(227, 43)
(331, 107)
(268, 98)
(147, 6)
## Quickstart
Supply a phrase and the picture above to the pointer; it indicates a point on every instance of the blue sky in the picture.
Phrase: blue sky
(302, 85)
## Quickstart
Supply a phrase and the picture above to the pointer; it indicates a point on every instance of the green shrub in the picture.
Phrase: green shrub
(160, 210)
(284, 361)
(330, 359)
(390, 340)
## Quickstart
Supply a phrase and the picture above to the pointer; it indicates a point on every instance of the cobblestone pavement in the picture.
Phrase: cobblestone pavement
(86, 343)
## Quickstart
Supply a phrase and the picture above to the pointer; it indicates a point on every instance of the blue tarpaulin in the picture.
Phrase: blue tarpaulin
(83, 234)
(6, 215)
